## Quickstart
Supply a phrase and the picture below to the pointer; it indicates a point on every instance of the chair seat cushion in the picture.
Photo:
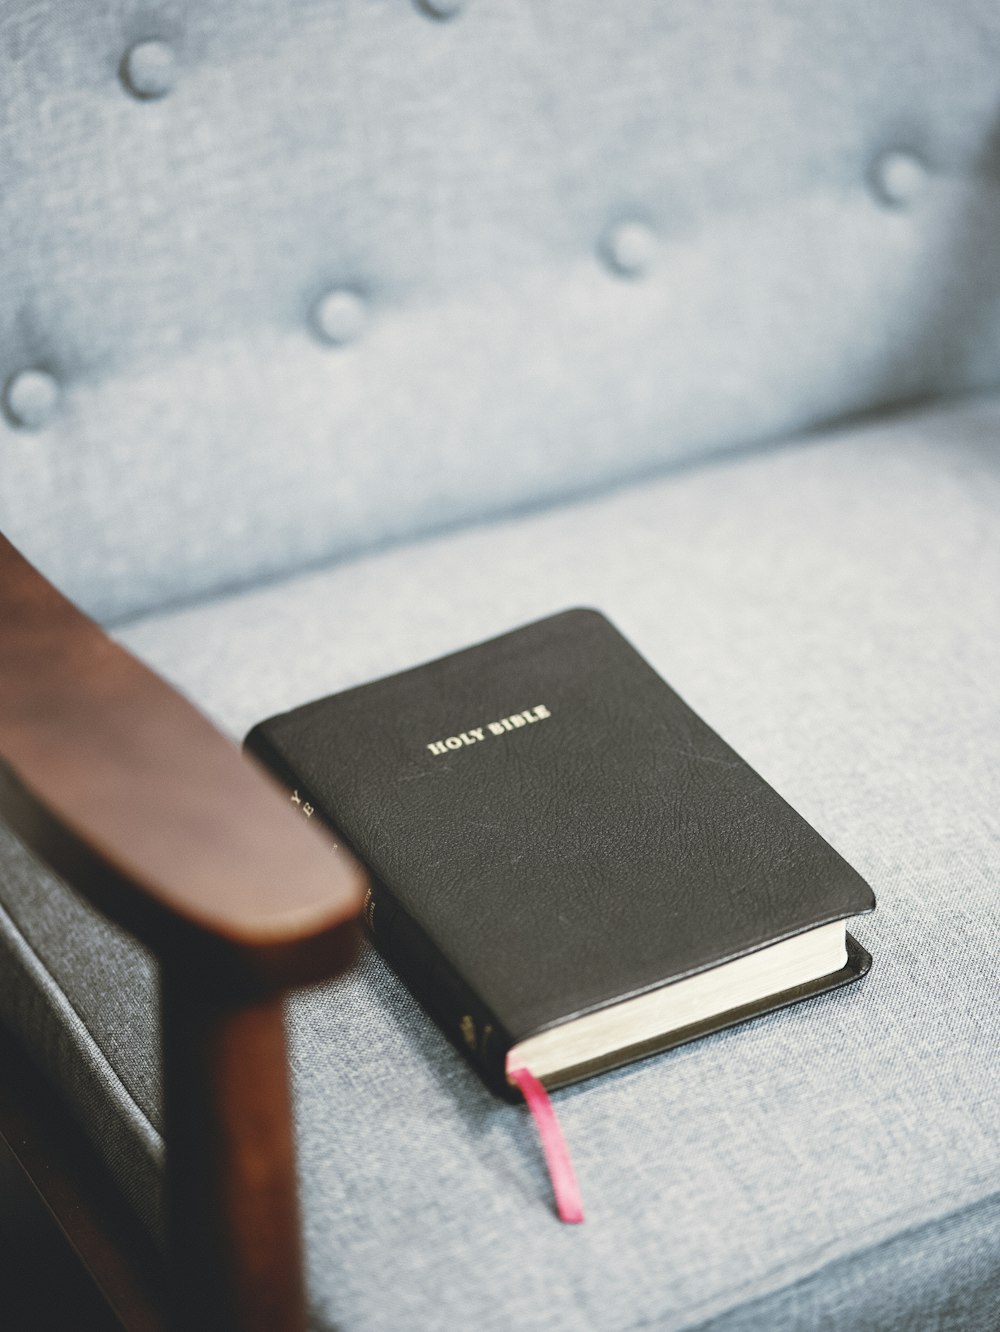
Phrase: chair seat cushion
(831, 606)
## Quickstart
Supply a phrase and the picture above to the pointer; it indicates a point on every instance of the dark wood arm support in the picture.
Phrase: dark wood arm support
(129, 793)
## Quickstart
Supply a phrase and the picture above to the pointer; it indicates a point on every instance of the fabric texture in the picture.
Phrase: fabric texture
(830, 606)
(287, 279)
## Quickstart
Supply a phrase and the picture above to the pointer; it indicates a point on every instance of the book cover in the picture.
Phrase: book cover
(551, 831)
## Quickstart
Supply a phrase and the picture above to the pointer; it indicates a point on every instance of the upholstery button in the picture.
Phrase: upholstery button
(629, 248)
(898, 178)
(149, 69)
(29, 398)
(442, 9)
(339, 316)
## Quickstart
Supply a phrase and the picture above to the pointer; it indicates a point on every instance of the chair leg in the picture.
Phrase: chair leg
(231, 1210)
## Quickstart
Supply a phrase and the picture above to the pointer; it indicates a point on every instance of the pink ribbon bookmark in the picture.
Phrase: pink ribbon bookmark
(564, 1186)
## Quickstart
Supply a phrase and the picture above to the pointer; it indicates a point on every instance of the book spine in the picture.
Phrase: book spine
(406, 947)
(438, 987)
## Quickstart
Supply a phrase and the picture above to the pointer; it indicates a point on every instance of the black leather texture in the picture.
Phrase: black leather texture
(551, 829)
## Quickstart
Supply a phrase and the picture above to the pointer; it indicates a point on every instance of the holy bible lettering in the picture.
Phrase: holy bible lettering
(476, 733)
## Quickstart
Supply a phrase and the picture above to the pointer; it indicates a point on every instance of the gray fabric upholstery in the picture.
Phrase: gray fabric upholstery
(286, 281)
(567, 242)
(831, 607)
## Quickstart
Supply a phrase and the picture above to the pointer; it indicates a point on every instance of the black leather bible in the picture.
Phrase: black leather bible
(569, 866)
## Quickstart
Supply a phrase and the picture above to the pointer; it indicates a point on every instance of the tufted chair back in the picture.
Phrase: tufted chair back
(284, 279)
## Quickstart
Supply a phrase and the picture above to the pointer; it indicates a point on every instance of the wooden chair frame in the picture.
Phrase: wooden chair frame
(121, 786)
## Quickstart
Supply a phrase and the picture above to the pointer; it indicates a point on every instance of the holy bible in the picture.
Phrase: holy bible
(570, 869)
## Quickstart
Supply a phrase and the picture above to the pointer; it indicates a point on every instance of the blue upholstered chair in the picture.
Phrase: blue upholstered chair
(339, 334)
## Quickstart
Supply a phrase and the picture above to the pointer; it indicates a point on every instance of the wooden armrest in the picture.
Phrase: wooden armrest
(129, 793)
